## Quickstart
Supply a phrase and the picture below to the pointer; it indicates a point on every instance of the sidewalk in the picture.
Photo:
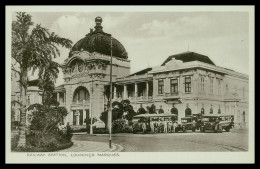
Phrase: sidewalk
(92, 146)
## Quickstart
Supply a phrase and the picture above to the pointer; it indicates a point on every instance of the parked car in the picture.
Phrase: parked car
(216, 123)
(187, 123)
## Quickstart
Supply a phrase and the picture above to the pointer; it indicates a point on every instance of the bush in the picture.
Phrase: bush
(121, 126)
(50, 142)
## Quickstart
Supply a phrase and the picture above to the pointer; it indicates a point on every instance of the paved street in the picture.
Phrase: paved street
(236, 140)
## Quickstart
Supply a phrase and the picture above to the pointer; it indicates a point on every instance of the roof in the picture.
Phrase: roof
(188, 117)
(217, 115)
(100, 42)
(141, 72)
(155, 115)
(188, 57)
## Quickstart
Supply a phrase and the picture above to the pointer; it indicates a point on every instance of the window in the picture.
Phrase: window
(202, 87)
(202, 110)
(174, 85)
(187, 112)
(160, 86)
(244, 116)
(211, 111)
(80, 95)
(210, 85)
(187, 84)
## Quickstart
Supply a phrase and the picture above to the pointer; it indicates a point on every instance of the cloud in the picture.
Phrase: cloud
(182, 26)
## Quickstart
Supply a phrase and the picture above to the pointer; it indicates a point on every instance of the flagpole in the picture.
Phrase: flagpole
(110, 103)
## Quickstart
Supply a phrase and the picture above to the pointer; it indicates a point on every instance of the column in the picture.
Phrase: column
(136, 91)
(125, 91)
(114, 92)
(77, 118)
(147, 89)
(64, 97)
(58, 97)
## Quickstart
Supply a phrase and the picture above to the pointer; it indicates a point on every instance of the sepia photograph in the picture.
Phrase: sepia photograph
(130, 84)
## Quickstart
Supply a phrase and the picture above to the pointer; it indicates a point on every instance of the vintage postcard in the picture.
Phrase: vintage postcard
(130, 84)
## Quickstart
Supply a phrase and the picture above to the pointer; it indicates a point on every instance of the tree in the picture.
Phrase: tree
(119, 110)
(33, 51)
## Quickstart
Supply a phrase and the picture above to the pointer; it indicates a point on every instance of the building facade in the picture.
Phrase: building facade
(186, 83)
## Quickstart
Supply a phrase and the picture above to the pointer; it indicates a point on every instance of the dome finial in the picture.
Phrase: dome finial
(98, 27)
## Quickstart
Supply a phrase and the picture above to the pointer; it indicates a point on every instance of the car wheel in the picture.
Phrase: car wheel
(194, 129)
(227, 129)
(214, 129)
(220, 129)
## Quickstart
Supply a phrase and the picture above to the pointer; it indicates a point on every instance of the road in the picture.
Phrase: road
(235, 140)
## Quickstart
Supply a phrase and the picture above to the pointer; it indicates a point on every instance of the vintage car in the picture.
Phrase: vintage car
(144, 119)
(187, 123)
(216, 123)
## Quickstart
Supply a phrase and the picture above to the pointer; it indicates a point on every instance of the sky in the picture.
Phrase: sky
(150, 37)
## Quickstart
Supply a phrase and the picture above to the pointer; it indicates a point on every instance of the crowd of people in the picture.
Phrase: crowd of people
(160, 126)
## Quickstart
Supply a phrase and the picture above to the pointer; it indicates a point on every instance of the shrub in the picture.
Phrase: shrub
(50, 142)
(121, 126)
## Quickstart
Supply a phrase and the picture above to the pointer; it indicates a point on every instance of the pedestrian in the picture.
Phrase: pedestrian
(165, 125)
(175, 124)
(170, 126)
(155, 127)
(152, 126)
(144, 127)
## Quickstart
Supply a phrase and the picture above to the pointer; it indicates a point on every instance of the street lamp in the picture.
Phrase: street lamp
(110, 103)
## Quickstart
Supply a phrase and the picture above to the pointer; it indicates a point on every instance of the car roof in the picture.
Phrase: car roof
(216, 115)
(189, 117)
(155, 115)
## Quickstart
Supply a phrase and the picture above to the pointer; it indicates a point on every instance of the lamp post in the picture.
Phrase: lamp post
(110, 100)
(91, 128)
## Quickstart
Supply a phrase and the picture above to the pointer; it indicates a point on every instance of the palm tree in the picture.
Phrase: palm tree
(33, 50)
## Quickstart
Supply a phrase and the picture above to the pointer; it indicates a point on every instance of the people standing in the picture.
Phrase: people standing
(155, 126)
(152, 126)
(144, 127)
(165, 126)
(175, 124)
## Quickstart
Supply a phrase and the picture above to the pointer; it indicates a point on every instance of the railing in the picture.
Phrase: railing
(172, 95)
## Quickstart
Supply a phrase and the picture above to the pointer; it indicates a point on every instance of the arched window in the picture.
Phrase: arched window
(80, 94)
(211, 111)
(175, 111)
(244, 116)
(202, 110)
(187, 112)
